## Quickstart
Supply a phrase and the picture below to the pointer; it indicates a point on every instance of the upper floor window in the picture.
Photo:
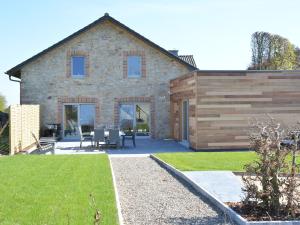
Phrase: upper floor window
(78, 66)
(134, 66)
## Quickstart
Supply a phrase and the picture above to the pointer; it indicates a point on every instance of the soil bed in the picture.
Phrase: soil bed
(251, 213)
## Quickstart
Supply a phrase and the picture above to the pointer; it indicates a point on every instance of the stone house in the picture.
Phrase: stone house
(103, 74)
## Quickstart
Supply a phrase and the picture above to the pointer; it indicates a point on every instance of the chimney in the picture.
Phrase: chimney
(174, 52)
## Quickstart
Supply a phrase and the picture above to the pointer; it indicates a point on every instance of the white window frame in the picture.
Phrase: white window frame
(141, 69)
(84, 70)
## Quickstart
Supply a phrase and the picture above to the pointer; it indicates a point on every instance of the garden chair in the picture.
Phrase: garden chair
(114, 137)
(84, 137)
(99, 137)
(43, 145)
(128, 135)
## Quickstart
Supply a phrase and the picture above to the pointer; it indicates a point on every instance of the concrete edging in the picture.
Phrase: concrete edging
(216, 202)
(120, 216)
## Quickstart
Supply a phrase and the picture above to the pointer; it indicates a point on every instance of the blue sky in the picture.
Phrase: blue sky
(216, 32)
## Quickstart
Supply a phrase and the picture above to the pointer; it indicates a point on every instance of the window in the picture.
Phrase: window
(134, 66)
(78, 66)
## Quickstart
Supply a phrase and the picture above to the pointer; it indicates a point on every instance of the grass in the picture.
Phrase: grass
(55, 190)
(201, 161)
(206, 161)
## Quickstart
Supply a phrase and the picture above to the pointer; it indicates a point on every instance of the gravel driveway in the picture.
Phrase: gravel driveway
(148, 194)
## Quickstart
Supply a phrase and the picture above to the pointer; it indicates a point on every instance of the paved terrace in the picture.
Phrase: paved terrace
(144, 147)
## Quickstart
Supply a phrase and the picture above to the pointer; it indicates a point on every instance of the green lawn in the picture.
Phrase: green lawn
(189, 161)
(205, 161)
(55, 190)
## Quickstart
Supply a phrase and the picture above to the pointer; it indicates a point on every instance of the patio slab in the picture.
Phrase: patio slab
(224, 185)
(147, 146)
(72, 147)
(144, 147)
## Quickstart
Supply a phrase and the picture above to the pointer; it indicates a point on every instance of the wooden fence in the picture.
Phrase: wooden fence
(24, 121)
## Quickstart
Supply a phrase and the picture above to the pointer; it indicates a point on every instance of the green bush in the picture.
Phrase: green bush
(142, 126)
(4, 141)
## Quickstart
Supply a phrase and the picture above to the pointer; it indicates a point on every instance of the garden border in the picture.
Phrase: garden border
(216, 202)
(120, 216)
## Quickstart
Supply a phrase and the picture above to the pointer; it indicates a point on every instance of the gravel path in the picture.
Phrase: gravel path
(148, 194)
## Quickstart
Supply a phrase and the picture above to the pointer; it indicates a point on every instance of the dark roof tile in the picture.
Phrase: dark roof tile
(189, 59)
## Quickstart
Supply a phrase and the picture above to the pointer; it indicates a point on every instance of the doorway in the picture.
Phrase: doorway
(135, 116)
(78, 115)
(185, 120)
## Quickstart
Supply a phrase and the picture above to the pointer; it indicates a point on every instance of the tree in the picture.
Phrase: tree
(2, 103)
(272, 52)
(297, 52)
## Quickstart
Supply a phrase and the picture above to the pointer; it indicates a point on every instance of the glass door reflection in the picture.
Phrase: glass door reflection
(78, 115)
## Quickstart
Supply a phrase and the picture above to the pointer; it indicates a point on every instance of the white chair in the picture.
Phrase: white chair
(84, 137)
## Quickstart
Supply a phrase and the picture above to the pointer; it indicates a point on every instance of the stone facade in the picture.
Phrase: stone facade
(47, 81)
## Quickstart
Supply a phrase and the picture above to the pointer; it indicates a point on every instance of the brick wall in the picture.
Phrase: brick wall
(134, 53)
(71, 53)
(44, 81)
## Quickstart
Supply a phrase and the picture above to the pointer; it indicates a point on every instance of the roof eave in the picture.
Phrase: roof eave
(14, 72)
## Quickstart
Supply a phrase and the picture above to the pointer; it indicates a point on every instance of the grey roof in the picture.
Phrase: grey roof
(189, 59)
(16, 71)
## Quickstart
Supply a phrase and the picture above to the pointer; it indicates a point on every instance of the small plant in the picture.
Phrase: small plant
(271, 184)
(97, 215)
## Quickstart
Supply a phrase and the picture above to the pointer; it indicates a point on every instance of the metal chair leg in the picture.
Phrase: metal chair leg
(133, 140)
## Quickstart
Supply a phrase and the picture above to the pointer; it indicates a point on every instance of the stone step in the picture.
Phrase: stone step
(224, 185)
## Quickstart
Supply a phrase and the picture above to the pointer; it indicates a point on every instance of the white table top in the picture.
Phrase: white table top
(106, 133)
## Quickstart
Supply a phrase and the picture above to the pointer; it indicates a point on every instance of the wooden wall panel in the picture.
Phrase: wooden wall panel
(226, 101)
(24, 120)
(181, 89)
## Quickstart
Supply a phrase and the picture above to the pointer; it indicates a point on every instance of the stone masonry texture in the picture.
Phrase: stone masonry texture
(47, 80)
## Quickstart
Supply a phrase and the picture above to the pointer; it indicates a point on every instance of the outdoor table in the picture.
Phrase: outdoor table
(106, 133)
(121, 134)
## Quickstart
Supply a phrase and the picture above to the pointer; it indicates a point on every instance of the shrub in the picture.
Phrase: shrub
(265, 187)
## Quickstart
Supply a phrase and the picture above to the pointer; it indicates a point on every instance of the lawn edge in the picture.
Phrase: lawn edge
(118, 205)
(216, 202)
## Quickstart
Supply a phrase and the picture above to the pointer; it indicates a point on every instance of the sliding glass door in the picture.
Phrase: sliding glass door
(87, 118)
(127, 117)
(78, 115)
(135, 116)
(70, 121)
